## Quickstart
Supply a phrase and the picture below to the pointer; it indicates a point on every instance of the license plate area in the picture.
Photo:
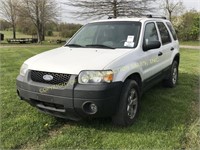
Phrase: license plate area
(45, 98)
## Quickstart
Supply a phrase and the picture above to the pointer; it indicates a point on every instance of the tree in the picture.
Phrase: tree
(40, 12)
(8, 10)
(172, 7)
(25, 25)
(188, 28)
(115, 8)
(68, 30)
(4, 25)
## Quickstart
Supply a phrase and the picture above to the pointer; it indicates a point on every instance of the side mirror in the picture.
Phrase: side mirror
(151, 45)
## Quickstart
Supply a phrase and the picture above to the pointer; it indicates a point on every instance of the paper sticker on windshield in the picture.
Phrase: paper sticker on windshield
(129, 44)
(130, 38)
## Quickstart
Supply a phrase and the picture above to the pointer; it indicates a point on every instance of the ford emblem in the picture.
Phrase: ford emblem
(48, 77)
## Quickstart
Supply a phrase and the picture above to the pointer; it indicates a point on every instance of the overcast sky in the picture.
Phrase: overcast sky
(65, 16)
(192, 4)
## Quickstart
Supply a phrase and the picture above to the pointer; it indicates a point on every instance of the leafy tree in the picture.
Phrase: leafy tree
(188, 27)
(115, 8)
(68, 30)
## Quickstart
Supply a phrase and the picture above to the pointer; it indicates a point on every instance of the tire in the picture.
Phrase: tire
(128, 105)
(173, 76)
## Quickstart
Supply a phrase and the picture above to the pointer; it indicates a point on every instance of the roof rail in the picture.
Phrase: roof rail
(151, 16)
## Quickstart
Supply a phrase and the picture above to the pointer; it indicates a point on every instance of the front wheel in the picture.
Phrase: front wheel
(173, 76)
(129, 104)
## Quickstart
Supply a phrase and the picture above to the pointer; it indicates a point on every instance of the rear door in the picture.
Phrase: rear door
(175, 43)
(167, 46)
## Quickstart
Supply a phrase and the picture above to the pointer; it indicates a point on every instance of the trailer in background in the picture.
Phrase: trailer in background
(23, 40)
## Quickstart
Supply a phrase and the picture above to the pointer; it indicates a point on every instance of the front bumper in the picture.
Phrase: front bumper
(69, 101)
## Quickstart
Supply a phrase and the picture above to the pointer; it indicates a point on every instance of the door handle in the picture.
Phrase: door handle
(172, 49)
(160, 54)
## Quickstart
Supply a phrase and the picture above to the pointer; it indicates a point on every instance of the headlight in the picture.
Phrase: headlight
(87, 77)
(24, 69)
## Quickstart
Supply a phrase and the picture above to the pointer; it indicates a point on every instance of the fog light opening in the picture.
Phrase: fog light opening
(90, 108)
(93, 108)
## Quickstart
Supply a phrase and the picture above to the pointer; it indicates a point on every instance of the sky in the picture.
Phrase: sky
(192, 4)
(64, 14)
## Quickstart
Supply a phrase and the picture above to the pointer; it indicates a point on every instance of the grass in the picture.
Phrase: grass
(190, 43)
(168, 118)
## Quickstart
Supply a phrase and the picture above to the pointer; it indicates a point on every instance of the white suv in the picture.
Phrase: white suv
(103, 70)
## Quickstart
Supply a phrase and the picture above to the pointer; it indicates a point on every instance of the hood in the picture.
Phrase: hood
(73, 60)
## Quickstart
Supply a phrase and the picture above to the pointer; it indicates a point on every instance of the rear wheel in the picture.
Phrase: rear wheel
(173, 76)
(129, 104)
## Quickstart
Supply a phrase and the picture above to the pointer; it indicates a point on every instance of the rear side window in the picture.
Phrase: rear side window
(165, 37)
(172, 31)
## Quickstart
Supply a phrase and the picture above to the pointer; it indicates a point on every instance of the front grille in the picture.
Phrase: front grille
(58, 78)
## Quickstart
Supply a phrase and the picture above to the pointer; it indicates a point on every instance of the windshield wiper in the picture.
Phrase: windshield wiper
(99, 46)
(74, 45)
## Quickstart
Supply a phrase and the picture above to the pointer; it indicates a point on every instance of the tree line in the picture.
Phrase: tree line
(63, 30)
(40, 17)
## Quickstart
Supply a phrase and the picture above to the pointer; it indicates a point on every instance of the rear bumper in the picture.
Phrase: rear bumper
(69, 101)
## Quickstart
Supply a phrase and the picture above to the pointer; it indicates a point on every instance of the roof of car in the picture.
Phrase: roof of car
(130, 19)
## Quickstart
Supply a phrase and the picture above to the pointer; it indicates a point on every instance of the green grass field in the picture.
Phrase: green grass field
(190, 43)
(168, 118)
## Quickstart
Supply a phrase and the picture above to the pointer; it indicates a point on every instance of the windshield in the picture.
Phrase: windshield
(116, 34)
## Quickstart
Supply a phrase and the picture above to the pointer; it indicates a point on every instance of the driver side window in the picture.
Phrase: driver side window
(150, 33)
(88, 36)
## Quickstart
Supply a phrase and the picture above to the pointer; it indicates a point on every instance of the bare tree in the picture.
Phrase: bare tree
(96, 9)
(172, 7)
(40, 12)
(8, 10)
